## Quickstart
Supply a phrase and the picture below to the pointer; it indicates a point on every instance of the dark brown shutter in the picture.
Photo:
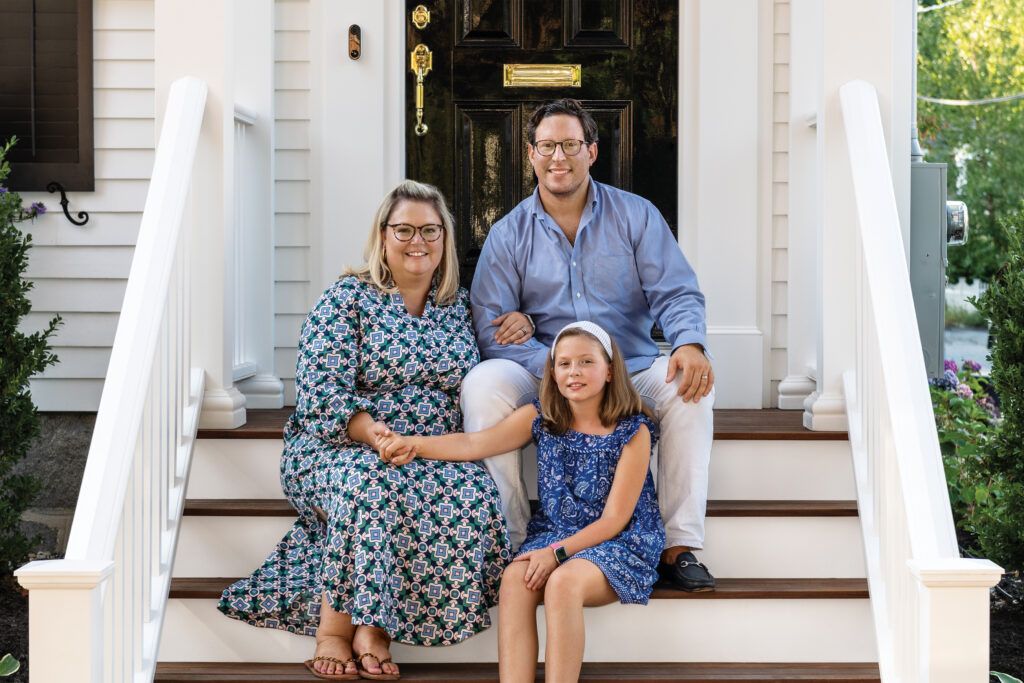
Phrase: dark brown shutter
(46, 92)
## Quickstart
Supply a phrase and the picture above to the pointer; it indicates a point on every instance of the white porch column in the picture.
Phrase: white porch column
(804, 84)
(847, 29)
(254, 90)
(721, 107)
(205, 49)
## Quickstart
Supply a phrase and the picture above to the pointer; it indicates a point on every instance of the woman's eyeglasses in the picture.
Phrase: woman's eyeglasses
(405, 232)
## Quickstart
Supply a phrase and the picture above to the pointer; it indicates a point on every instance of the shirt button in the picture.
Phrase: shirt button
(577, 295)
(573, 264)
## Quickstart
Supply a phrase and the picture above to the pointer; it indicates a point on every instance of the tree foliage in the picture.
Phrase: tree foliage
(21, 356)
(968, 51)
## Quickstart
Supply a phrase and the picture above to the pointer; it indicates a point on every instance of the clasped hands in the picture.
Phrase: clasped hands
(393, 448)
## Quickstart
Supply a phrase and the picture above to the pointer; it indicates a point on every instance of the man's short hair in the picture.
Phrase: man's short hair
(568, 107)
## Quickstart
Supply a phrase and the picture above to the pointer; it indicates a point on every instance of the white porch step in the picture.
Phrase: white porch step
(740, 470)
(683, 630)
(767, 547)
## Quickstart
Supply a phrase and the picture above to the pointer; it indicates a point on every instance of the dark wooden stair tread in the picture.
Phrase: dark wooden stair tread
(608, 672)
(728, 589)
(279, 507)
(730, 424)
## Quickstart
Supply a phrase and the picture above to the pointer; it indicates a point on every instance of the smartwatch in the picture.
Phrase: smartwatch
(560, 553)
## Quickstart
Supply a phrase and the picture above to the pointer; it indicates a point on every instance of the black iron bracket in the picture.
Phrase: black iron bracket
(54, 186)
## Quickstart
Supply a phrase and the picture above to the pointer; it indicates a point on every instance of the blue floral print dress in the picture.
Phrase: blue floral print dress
(418, 549)
(574, 477)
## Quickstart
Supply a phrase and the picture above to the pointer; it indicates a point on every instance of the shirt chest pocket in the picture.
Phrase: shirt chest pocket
(613, 275)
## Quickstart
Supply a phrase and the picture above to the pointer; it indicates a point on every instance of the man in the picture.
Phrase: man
(580, 250)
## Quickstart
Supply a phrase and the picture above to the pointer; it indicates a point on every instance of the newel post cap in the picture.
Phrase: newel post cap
(64, 574)
(956, 572)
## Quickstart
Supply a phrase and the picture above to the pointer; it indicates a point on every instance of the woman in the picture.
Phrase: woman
(378, 552)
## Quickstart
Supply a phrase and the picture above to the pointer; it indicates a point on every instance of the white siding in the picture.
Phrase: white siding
(780, 191)
(81, 273)
(292, 203)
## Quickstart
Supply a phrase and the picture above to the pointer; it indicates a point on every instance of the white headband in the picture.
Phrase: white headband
(586, 326)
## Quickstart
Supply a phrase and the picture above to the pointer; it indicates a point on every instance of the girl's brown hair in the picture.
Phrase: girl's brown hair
(620, 397)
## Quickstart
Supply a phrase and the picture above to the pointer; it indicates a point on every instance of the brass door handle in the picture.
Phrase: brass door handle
(421, 61)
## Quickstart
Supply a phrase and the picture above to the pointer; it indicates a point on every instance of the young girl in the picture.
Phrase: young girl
(598, 534)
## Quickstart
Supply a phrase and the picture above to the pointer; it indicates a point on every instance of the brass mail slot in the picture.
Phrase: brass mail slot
(543, 75)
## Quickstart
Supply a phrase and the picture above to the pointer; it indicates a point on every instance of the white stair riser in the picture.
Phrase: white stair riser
(665, 630)
(740, 470)
(737, 547)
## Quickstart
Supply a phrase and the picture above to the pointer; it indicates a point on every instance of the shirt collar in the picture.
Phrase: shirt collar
(593, 204)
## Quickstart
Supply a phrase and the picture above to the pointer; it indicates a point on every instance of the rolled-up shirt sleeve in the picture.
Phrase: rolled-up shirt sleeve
(328, 361)
(496, 287)
(670, 284)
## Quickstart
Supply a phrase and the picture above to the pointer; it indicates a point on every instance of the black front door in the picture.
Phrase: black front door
(478, 95)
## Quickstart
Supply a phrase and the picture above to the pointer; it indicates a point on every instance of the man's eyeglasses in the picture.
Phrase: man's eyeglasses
(405, 232)
(569, 147)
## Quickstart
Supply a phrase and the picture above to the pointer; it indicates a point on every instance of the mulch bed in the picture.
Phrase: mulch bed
(14, 626)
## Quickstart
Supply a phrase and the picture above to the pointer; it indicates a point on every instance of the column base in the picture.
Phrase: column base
(825, 413)
(262, 392)
(794, 390)
(222, 409)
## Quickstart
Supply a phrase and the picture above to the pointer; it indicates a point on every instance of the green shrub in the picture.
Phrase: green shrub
(1001, 532)
(965, 417)
(964, 316)
(21, 356)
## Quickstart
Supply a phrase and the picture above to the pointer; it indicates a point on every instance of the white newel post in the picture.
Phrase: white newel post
(955, 618)
(804, 84)
(720, 153)
(253, 236)
(69, 648)
(846, 28)
(205, 49)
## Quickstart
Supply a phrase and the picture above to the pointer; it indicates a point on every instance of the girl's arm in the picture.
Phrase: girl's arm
(630, 474)
(512, 432)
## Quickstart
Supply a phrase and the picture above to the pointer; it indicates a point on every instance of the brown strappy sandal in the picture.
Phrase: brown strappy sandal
(333, 677)
(380, 662)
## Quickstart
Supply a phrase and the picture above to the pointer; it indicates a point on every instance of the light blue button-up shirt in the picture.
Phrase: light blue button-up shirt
(624, 272)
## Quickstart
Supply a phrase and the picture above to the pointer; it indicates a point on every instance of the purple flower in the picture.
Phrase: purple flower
(973, 366)
(964, 391)
(37, 208)
(949, 365)
(950, 377)
(3, 190)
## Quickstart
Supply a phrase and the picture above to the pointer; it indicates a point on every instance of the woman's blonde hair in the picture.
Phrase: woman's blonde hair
(375, 268)
(620, 396)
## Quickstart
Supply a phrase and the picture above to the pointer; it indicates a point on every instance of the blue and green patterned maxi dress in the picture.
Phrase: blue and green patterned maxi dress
(417, 549)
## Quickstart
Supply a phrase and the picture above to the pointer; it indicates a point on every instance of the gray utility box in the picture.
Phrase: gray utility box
(928, 228)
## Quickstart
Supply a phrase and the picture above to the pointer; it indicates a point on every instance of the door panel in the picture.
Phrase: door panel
(475, 148)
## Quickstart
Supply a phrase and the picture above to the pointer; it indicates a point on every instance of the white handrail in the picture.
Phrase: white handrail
(930, 629)
(101, 608)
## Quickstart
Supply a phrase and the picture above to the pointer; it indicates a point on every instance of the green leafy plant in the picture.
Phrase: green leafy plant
(965, 416)
(21, 356)
(1001, 533)
(1005, 678)
(9, 665)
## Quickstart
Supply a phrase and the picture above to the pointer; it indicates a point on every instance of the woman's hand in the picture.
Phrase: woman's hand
(514, 328)
(542, 563)
(393, 448)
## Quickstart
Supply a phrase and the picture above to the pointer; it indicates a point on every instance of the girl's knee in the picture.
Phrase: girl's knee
(563, 587)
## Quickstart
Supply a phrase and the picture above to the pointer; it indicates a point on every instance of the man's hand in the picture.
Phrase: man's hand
(542, 563)
(515, 328)
(698, 377)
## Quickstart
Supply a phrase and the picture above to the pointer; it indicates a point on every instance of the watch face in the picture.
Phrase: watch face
(560, 554)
